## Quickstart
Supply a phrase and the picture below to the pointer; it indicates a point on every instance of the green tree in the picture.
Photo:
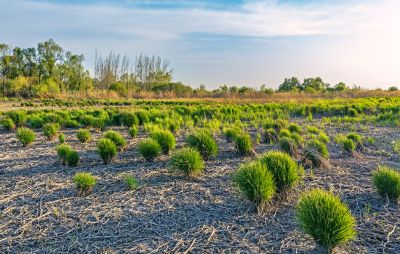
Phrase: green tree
(289, 84)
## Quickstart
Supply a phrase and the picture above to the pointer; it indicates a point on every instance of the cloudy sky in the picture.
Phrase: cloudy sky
(237, 42)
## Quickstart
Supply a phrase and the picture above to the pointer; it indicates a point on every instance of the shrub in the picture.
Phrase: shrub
(165, 139)
(19, 117)
(72, 158)
(50, 130)
(62, 151)
(323, 137)
(71, 124)
(294, 128)
(83, 135)
(131, 182)
(188, 161)
(319, 147)
(26, 136)
(107, 150)
(255, 182)
(204, 143)
(285, 170)
(349, 145)
(284, 133)
(61, 138)
(84, 182)
(323, 216)
(243, 144)
(115, 137)
(352, 112)
(133, 131)
(270, 136)
(289, 146)
(387, 182)
(355, 137)
(8, 124)
(297, 138)
(149, 149)
(128, 119)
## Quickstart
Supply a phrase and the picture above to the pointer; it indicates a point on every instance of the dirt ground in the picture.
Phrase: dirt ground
(40, 211)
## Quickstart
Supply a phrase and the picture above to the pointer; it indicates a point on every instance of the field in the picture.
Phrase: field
(43, 211)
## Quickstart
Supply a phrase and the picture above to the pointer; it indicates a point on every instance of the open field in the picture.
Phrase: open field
(41, 210)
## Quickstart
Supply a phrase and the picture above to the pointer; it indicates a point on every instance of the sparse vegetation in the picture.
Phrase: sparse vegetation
(107, 150)
(84, 182)
(26, 136)
(149, 149)
(204, 143)
(387, 182)
(50, 130)
(165, 139)
(117, 139)
(188, 161)
(84, 136)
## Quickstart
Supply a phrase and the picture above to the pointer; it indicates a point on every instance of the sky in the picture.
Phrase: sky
(237, 42)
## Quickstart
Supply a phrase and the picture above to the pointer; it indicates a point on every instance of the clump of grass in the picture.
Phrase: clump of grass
(354, 136)
(50, 130)
(165, 139)
(256, 183)
(61, 138)
(323, 216)
(131, 182)
(243, 144)
(62, 152)
(149, 149)
(270, 136)
(25, 136)
(396, 146)
(133, 131)
(73, 158)
(188, 161)
(294, 128)
(107, 150)
(117, 139)
(83, 135)
(284, 169)
(8, 124)
(319, 146)
(387, 182)
(204, 143)
(349, 145)
(231, 133)
(284, 133)
(316, 154)
(289, 146)
(84, 182)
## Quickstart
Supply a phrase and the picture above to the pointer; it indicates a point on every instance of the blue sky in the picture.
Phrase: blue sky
(238, 42)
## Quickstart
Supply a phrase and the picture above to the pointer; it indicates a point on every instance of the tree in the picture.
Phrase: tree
(313, 84)
(289, 85)
(5, 60)
(49, 54)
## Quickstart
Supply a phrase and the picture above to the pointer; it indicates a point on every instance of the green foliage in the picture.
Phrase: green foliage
(133, 131)
(289, 146)
(243, 144)
(61, 138)
(255, 182)
(62, 151)
(72, 158)
(231, 133)
(349, 145)
(25, 136)
(387, 182)
(294, 128)
(396, 146)
(149, 149)
(352, 112)
(117, 138)
(323, 216)
(284, 133)
(84, 181)
(285, 170)
(107, 150)
(128, 119)
(165, 139)
(83, 135)
(131, 182)
(270, 136)
(188, 161)
(8, 124)
(50, 130)
(355, 137)
(19, 117)
(204, 143)
(323, 137)
(319, 147)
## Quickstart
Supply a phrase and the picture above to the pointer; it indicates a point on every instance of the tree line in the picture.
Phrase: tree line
(49, 70)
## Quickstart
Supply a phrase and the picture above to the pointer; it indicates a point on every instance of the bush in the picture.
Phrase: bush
(72, 158)
(323, 216)
(62, 152)
(19, 117)
(188, 161)
(107, 150)
(165, 139)
(115, 137)
(243, 144)
(255, 182)
(387, 182)
(50, 130)
(131, 182)
(84, 182)
(25, 136)
(298, 139)
(230, 133)
(133, 131)
(349, 145)
(61, 138)
(352, 112)
(204, 143)
(323, 137)
(83, 135)
(149, 149)
(355, 137)
(8, 124)
(284, 133)
(319, 147)
(284, 169)
(289, 146)
(128, 119)
(270, 136)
